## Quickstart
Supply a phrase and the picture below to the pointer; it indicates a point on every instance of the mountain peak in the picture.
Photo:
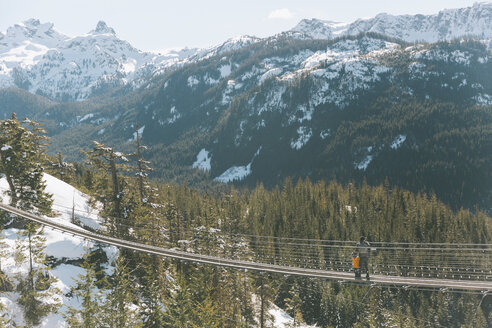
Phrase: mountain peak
(319, 29)
(103, 28)
(32, 29)
(447, 24)
(31, 23)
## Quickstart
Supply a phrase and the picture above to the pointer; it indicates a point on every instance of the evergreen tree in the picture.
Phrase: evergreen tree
(37, 296)
(153, 291)
(146, 192)
(6, 284)
(265, 294)
(120, 309)
(110, 187)
(90, 313)
(293, 304)
(22, 149)
(205, 314)
(61, 169)
(179, 306)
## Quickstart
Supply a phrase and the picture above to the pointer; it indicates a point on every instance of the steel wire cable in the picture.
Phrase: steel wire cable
(398, 263)
(315, 257)
(289, 243)
(311, 256)
(345, 264)
(424, 261)
(428, 271)
(323, 246)
(150, 247)
(457, 245)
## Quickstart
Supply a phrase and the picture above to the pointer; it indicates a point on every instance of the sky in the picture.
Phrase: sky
(153, 25)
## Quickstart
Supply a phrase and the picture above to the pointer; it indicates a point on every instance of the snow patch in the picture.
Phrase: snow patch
(140, 131)
(325, 134)
(271, 73)
(237, 173)
(282, 320)
(364, 164)
(85, 117)
(225, 70)
(203, 161)
(192, 81)
(398, 141)
(483, 99)
(304, 134)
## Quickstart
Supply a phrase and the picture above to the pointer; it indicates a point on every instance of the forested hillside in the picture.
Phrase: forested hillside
(361, 108)
(219, 222)
(145, 290)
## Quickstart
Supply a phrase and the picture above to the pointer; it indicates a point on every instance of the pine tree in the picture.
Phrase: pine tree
(146, 192)
(265, 293)
(37, 296)
(205, 314)
(61, 169)
(153, 291)
(90, 313)
(293, 304)
(22, 150)
(5, 284)
(179, 306)
(111, 193)
(119, 309)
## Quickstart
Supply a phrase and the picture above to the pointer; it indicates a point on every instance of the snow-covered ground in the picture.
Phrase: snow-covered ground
(277, 317)
(59, 245)
(203, 160)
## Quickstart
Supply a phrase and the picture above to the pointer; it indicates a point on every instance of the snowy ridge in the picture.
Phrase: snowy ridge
(340, 71)
(448, 24)
(36, 57)
(229, 45)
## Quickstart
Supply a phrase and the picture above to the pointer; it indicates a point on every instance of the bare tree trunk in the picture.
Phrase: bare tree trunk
(31, 276)
(139, 166)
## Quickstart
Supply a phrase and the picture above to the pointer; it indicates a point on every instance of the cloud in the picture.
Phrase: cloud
(283, 13)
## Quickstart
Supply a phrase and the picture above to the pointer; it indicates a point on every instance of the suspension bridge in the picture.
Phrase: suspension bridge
(402, 265)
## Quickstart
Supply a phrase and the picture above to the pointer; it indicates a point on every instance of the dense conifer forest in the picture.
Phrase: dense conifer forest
(148, 291)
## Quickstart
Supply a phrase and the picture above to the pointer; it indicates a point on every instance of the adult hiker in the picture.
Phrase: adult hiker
(364, 251)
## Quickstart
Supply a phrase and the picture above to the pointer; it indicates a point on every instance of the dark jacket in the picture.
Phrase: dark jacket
(364, 249)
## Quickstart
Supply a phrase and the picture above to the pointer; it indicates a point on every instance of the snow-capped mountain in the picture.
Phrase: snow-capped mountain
(33, 32)
(36, 57)
(251, 116)
(448, 24)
